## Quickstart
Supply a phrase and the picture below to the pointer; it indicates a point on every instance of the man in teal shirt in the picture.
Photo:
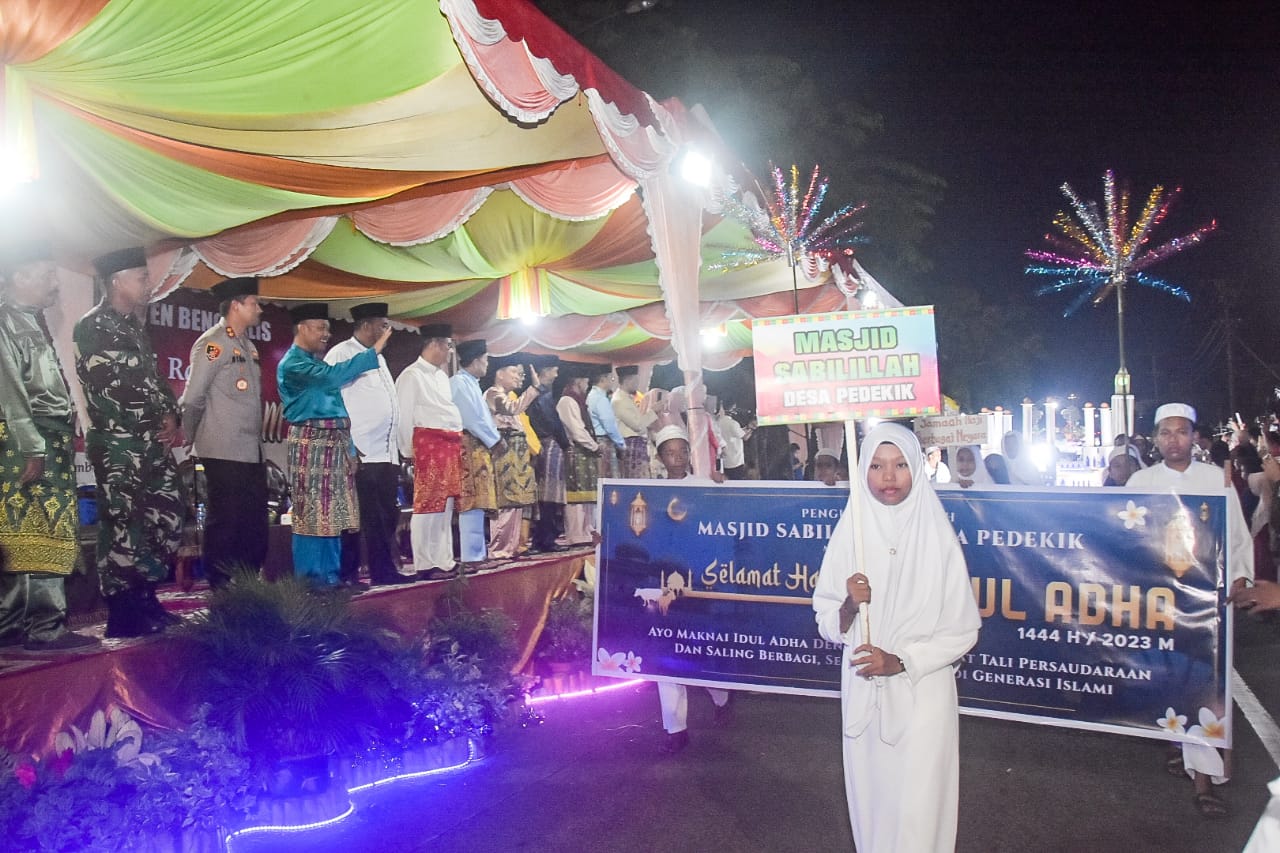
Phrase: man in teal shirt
(321, 457)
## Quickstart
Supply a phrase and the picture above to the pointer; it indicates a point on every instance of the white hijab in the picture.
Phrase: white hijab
(920, 587)
(980, 476)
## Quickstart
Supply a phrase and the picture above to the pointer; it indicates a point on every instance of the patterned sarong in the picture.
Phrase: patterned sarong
(437, 469)
(580, 472)
(321, 478)
(635, 458)
(549, 467)
(39, 521)
(478, 491)
(513, 469)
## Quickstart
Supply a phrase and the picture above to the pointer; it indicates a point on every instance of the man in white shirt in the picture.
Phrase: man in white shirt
(370, 399)
(1180, 473)
(733, 448)
(430, 433)
(934, 466)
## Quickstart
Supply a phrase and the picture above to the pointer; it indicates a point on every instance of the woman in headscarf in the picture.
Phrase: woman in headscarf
(1123, 462)
(969, 469)
(899, 712)
(1022, 470)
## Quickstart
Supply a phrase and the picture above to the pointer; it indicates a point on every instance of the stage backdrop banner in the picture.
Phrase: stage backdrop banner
(1102, 609)
(846, 366)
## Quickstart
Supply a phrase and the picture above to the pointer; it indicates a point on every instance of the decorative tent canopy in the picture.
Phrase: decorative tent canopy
(459, 158)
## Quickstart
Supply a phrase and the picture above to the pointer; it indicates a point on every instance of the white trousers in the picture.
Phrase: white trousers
(431, 535)
(577, 523)
(675, 704)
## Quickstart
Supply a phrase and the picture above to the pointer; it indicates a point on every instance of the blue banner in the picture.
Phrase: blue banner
(1102, 609)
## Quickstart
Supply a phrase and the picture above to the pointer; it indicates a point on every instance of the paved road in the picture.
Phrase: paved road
(589, 778)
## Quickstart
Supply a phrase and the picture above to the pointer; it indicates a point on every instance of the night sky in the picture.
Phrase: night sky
(1007, 102)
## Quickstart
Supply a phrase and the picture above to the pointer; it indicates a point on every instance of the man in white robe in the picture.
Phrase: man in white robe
(430, 433)
(1178, 472)
(899, 711)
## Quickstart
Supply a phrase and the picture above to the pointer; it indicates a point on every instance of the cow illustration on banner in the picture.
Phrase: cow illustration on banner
(1102, 609)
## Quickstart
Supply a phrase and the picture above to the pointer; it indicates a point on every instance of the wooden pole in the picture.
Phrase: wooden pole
(855, 506)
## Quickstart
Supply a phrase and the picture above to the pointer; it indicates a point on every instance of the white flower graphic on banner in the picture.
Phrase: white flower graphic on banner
(611, 662)
(618, 661)
(1210, 728)
(1133, 516)
(1173, 722)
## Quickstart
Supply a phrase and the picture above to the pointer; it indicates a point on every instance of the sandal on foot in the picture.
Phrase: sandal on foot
(1211, 805)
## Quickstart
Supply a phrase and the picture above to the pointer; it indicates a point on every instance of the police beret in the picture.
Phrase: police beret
(369, 309)
(309, 311)
(122, 259)
(469, 351)
(235, 288)
(436, 330)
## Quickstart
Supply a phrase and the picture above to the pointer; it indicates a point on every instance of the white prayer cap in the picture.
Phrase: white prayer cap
(827, 451)
(933, 448)
(667, 433)
(1175, 410)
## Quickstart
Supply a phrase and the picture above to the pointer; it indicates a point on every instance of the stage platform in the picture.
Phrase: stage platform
(45, 692)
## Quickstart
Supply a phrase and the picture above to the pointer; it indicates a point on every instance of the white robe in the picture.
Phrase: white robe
(900, 733)
(1205, 479)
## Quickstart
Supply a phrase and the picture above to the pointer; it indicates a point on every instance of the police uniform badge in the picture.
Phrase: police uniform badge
(213, 351)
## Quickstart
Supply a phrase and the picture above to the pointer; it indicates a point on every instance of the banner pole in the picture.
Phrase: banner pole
(855, 505)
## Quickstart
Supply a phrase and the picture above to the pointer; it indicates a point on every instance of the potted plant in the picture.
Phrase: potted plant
(294, 677)
(565, 642)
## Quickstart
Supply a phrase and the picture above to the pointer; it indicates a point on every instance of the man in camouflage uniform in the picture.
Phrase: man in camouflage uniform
(38, 522)
(133, 427)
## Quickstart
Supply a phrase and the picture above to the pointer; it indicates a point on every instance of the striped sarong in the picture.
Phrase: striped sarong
(477, 476)
(39, 521)
(322, 482)
(513, 469)
(549, 468)
(635, 458)
(581, 469)
(437, 469)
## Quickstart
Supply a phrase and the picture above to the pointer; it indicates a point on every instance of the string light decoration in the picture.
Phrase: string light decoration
(788, 224)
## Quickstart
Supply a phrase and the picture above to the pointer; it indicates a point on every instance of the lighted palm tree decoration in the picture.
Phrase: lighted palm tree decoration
(789, 225)
(1100, 253)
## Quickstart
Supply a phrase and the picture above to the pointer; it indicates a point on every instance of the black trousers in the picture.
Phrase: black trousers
(235, 518)
(547, 526)
(376, 487)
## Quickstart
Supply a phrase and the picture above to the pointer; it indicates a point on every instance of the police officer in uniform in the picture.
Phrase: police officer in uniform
(133, 427)
(222, 415)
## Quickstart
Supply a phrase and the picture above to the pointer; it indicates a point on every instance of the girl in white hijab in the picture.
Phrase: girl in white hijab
(967, 466)
(900, 718)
